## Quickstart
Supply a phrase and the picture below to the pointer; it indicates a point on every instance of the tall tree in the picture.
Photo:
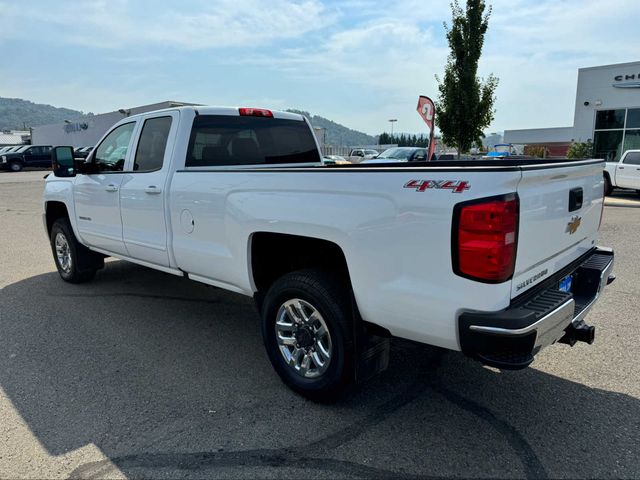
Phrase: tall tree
(465, 102)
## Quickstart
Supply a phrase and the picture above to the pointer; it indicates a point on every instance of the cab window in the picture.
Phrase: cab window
(112, 152)
(632, 158)
(152, 144)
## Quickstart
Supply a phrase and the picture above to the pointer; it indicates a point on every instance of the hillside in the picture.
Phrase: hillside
(338, 134)
(16, 113)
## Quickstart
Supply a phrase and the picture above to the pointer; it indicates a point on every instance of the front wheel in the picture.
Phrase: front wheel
(75, 262)
(308, 335)
(608, 188)
(15, 166)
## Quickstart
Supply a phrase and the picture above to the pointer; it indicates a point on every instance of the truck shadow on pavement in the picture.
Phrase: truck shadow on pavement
(169, 378)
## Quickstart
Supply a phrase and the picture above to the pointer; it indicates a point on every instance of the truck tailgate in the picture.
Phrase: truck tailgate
(560, 210)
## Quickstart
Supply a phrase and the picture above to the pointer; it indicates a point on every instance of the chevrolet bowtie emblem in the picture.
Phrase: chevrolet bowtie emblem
(573, 225)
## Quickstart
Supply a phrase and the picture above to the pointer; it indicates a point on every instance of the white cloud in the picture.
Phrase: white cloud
(204, 24)
(373, 53)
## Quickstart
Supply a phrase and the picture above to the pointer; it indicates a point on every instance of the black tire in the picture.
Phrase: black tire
(15, 166)
(607, 186)
(331, 299)
(83, 262)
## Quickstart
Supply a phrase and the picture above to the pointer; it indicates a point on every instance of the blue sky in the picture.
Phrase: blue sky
(357, 62)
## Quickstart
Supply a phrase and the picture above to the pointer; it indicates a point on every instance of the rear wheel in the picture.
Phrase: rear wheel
(75, 262)
(307, 332)
(15, 166)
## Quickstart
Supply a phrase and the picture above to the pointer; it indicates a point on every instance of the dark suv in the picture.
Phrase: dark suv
(27, 156)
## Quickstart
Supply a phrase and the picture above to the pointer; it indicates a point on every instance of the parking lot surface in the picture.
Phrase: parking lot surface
(143, 374)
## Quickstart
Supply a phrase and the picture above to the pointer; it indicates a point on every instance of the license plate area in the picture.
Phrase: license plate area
(566, 283)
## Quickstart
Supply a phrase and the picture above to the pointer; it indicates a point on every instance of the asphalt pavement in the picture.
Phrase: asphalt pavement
(141, 374)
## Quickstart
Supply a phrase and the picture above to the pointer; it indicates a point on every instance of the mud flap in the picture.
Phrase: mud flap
(372, 346)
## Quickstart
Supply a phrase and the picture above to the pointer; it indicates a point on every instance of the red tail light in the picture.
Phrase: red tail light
(485, 236)
(255, 112)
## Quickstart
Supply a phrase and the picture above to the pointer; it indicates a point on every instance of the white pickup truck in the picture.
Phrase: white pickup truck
(494, 258)
(623, 174)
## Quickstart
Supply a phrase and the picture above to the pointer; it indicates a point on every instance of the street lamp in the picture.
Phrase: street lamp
(392, 121)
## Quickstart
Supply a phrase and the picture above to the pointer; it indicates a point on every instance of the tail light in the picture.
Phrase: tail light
(484, 238)
(255, 112)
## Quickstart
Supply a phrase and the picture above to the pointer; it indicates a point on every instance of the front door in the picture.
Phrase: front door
(37, 157)
(142, 193)
(628, 171)
(97, 195)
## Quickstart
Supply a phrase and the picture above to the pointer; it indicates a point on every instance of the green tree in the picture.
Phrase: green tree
(465, 102)
(580, 150)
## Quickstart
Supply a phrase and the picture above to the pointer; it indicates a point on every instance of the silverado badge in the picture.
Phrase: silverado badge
(573, 225)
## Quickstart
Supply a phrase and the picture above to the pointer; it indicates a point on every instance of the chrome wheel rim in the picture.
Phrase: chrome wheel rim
(63, 252)
(303, 338)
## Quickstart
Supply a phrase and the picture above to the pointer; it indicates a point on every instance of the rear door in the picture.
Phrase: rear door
(142, 193)
(628, 171)
(560, 209)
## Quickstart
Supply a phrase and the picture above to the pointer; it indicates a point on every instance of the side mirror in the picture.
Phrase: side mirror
(63, 162)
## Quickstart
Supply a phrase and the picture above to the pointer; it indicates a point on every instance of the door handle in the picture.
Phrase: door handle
(111, 188)
(620, 168)
(152, 190)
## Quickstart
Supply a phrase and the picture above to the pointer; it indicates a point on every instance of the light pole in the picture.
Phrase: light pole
(392, 121)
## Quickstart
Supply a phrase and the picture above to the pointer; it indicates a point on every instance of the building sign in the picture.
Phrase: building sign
(75, 127)
(627, 81)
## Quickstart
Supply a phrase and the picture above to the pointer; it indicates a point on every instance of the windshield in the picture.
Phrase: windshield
(21, 149)
(396, 153)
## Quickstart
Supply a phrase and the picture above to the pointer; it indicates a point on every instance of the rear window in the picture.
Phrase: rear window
(220, 140)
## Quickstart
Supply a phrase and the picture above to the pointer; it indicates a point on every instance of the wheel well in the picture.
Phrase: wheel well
(55, 210)
(275, 254)
(607, 176)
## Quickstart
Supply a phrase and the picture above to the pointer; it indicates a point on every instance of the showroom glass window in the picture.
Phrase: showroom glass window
(616, 131)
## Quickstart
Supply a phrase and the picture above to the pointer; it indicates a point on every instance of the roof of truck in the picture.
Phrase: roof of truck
(216, 110)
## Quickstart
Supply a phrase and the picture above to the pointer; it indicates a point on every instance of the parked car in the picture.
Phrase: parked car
(357, 155)
(334, 160)
(495, 261)
(624, 173)
(8, 148)
(26, 156)
(451, 157)
(501, 150)
(400, 154)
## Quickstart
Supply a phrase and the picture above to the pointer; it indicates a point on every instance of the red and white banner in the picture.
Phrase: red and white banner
(427, 111)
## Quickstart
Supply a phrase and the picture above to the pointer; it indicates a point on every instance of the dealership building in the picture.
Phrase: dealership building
(88, 130)
(607, 112)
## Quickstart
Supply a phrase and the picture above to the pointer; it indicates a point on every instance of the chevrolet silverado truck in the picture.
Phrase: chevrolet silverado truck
(624, 173)
(494, 258)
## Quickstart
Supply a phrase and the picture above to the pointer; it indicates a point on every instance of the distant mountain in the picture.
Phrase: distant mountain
(17, 114)
(338, 134)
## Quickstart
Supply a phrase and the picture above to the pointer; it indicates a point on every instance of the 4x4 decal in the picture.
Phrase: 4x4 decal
(456, 186)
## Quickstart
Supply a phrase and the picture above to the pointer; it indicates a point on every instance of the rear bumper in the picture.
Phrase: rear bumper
(510, 338)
